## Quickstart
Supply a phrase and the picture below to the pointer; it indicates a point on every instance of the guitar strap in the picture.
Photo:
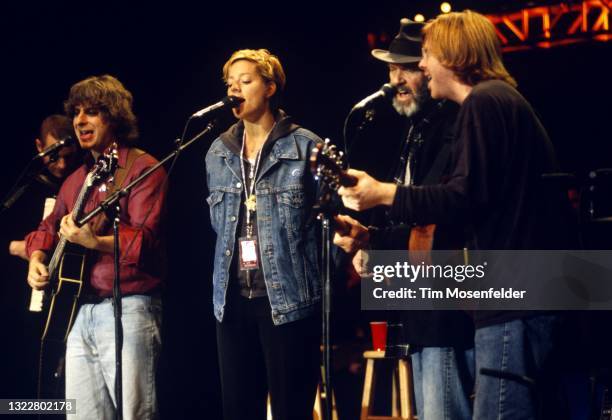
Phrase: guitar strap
(121, 173)
(102, 223)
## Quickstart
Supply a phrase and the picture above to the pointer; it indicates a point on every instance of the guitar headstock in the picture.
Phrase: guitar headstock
(328, 167)
(103, 170)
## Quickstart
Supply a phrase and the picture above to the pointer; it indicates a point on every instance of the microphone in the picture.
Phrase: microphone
(66, 141)
(386, 91)
(228, 101)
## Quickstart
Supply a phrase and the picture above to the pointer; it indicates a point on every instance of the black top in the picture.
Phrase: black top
(496, 188)
(252, 283)
(429, 136)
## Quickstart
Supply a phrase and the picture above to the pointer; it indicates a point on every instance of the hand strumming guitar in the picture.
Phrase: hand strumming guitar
(350, 235)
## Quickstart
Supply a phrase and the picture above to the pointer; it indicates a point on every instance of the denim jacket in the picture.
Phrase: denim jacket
(285, 190)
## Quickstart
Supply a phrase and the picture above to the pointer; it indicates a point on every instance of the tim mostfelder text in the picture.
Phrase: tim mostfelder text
(448, 293)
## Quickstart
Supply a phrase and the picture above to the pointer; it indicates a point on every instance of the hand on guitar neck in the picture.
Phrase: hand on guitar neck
(84, 235)
(366, 192)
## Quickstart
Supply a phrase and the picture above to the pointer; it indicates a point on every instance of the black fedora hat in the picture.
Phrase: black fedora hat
(405, 47)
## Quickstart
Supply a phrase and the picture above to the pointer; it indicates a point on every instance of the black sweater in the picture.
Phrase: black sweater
(496, 188)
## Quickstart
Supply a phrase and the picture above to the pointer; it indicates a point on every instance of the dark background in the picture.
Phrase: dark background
(170, 57)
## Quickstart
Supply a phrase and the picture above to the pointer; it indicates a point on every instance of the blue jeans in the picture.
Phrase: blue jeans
(90, 359)
(521, 347)
(443, 382)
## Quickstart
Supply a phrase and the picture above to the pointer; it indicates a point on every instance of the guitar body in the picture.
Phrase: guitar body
(64, 296)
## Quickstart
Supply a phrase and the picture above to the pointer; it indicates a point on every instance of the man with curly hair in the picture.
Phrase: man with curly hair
(102, 117)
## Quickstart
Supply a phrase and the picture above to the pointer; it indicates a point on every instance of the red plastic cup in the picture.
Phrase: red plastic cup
(379, 335)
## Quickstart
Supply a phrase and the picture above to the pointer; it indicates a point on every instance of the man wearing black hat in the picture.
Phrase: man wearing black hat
(441, 342)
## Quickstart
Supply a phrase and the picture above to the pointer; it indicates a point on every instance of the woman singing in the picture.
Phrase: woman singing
(266, 289)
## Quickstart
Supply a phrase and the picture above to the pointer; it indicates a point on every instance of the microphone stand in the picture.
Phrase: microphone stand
(111, 206)
(115, 211)
(368, 117)
(326, 309)
(386, 91)
(324, 215)
(20, 186)
(324, 211)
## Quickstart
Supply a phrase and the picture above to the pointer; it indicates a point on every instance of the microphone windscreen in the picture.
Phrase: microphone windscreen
(388, 89)
(233, 101)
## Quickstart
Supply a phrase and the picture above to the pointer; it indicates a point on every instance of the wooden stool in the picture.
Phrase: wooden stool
(402, 376)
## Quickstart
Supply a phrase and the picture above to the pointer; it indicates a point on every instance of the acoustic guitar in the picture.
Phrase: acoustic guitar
(67, 266)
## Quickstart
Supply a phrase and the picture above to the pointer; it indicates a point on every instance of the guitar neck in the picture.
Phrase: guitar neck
(57, 255)
(77, 212)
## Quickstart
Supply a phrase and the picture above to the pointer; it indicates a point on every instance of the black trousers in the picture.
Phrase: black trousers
(257, 357)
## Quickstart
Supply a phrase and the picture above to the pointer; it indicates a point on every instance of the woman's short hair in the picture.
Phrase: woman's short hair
(268, 66)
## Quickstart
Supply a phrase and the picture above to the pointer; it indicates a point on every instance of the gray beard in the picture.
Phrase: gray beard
(406, 110)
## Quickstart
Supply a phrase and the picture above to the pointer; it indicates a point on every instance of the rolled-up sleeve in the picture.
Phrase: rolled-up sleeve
(139, 230)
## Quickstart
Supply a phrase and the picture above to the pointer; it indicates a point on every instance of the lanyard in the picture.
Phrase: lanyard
(249, 192)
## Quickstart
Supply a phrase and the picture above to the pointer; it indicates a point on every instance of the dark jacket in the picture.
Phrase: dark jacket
(496, 188)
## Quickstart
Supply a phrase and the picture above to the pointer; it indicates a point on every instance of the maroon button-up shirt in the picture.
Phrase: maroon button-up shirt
(141, 246)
